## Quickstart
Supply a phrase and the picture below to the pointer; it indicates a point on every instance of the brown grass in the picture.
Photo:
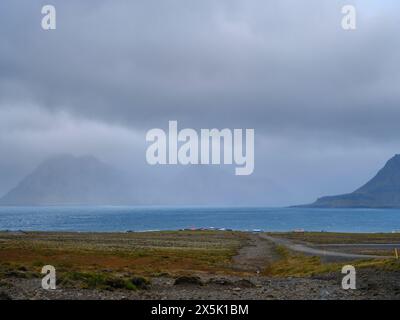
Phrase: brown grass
(294, 264)
(139, 253)
(343, 238)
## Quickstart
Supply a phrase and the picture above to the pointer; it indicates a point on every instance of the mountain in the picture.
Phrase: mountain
(69, 180)
(382, 191)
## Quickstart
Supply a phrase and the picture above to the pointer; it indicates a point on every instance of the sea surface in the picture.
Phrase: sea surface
(121, 219)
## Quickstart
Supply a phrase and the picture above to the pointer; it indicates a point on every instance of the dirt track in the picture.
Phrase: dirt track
(318, 252)
(256, 255)
(259, 253)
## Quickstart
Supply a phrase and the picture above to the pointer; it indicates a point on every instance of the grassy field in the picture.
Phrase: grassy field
(127, 260)
(342, 238)
(293, 264)
(117, 260)
(140, 253)
(297, 264)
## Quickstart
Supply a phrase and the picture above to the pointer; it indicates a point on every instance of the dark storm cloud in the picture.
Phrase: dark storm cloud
(313, 92)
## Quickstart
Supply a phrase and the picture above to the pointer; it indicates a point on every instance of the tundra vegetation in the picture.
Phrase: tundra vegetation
(130, 260)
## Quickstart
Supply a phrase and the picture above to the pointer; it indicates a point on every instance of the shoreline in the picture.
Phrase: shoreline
(255, 231)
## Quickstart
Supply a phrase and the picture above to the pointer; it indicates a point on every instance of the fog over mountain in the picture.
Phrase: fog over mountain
(324, 102)
(85, 180)
(68, 180)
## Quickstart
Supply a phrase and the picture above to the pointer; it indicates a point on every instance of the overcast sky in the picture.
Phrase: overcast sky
(324, 102)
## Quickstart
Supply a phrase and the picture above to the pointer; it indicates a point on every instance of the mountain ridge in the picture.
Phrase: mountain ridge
(69, 180)
(382, 191)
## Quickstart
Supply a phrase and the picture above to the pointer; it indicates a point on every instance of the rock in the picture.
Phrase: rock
(221, 282)
(4, 296)
(141, 283)
(15, 274)
(115, 283)
(244, 283)
(324, 294)
(190, 280)
(107, 270)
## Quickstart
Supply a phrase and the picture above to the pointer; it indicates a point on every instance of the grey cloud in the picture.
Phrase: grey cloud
(317, 96)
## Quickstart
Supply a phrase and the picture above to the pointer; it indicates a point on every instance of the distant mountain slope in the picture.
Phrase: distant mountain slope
(69, 180)
(382, 191)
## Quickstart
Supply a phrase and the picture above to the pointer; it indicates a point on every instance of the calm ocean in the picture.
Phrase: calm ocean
(173, 218)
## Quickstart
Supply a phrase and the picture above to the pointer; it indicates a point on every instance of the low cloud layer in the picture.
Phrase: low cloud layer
(323, 101)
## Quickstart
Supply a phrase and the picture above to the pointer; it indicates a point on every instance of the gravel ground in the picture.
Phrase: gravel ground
(371, 284)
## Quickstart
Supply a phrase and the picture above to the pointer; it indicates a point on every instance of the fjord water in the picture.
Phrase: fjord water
(120, 219)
